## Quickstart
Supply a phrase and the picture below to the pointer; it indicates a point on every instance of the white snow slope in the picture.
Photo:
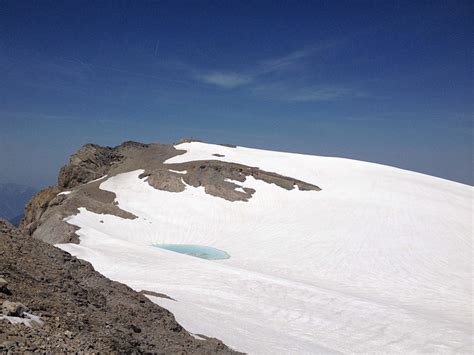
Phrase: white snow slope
(380, 260)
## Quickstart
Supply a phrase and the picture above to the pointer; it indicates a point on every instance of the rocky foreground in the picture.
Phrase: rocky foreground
(61, 304)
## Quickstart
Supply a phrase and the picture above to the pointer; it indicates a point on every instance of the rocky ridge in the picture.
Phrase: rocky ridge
(79, 181)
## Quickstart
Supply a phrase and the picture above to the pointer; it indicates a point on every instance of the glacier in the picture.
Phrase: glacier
(379, 260)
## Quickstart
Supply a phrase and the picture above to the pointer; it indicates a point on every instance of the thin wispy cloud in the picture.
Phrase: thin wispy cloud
(275, 64)
(293, 58)
(259, 79)
(286, 93)
(230, 80)
(225, 80)
(328, 94)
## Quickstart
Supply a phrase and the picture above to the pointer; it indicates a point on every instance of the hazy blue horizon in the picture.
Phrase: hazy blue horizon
(386, 82)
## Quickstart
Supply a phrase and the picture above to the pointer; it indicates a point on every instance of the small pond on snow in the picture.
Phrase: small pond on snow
(199, 251)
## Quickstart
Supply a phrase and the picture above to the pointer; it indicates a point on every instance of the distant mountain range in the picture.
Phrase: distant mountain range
(13, 198)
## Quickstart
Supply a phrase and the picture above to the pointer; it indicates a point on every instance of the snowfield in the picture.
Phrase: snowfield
(380, 260)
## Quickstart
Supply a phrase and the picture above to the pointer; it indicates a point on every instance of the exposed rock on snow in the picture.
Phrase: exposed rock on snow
(156, 294)
(92, 165)
(214, 176)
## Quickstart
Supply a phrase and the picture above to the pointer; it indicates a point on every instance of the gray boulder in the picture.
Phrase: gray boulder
(14, 309)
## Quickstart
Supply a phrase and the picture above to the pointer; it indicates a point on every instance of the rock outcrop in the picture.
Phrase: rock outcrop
(88, 163)
(219, 178)
(37, 206)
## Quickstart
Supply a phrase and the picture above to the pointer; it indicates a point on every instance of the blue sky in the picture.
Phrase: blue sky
(381, 81)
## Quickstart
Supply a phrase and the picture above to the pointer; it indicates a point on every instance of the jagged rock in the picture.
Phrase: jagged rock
(5, 226)
(93, 161)
(14, 309)
(88, 163)
(37, 206)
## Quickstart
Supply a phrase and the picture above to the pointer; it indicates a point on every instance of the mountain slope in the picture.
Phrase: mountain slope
(80, 309)
(326, 254)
